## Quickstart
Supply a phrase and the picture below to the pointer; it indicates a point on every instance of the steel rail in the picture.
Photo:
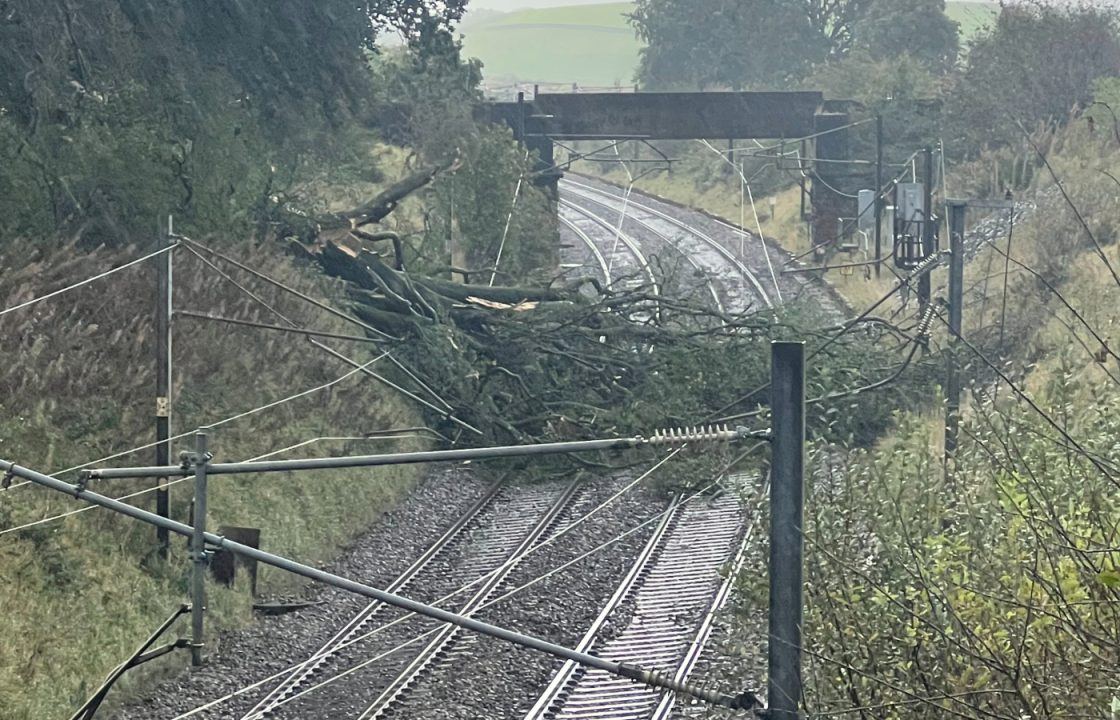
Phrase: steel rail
(624, 589)
(595, 252)
(668, 242)
(704, 631)
(672, 576)
(629, 242)
(391, 697)
(651, 677)
(745, 271)
(292, 684)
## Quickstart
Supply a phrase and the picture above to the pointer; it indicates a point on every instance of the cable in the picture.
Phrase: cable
(509, 219)
(464, 588)
(625, 207)
(92, 507)
(515, 591)
(1091, 457)
(922, 268)
(217, 423)
(87, 281)
(762, 238)
(446, 414)
(307, 298)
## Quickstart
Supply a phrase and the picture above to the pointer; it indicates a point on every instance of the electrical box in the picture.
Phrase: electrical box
(910, 202)
(909, 224)
(866, 209)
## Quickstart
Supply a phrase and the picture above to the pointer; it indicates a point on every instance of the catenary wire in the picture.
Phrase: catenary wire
(87, 281)
(217, 423)
(530, 583)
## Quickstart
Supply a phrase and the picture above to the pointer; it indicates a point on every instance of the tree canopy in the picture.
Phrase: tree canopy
(758, 43)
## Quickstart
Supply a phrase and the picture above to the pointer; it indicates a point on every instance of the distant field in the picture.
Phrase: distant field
(591, 45)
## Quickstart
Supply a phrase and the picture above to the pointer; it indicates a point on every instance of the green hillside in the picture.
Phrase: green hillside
(592, 45)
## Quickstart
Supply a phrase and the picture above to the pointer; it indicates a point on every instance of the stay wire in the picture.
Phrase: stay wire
(87, 281)
(446, 414)
(217, 423)
(553, 538)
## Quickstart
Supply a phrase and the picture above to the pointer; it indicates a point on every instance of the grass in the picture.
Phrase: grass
(591, 45)
(76, 382)
(594, 45)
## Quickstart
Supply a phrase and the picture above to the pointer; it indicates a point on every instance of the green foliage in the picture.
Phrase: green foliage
(117, 112)
(724, 43)
(771, 43)
(917, 29)
(980, 594)
(1037, 64)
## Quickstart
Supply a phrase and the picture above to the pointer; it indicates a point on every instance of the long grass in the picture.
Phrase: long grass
(77, 383)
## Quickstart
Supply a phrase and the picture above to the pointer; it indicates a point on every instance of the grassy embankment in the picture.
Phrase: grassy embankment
(76, 383)
(1006, 572)
(592, 45)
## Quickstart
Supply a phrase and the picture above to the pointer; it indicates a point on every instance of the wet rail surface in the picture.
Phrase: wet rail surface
(677, 585)
(367, 660)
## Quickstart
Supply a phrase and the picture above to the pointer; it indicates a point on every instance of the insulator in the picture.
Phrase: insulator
(680, 435)
(925, 322)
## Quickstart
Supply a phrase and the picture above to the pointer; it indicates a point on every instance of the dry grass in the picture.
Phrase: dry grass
(76, 383)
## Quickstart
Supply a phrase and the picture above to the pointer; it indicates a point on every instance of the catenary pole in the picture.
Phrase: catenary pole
(957, 209)
(652, 678)
(879, 200)
(163, 380)
(198, 549)
(787, 470)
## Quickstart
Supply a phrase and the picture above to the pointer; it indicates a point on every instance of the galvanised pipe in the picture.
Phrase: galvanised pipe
(649, 677)
(506, 451)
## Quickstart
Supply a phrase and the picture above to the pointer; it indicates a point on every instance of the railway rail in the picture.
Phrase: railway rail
(709, 255)
(484, 542)
(631, 265)
(675, 589)
(613, 229)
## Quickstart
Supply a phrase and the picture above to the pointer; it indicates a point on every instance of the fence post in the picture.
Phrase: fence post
(787, 470)
(198, 548)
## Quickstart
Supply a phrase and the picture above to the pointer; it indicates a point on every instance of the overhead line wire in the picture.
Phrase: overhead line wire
(648, 521)
(87, 281)
(317, 303)
(446, 414)
(217, 423)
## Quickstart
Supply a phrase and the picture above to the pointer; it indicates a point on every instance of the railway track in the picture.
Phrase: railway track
(675, 589)
(740, 285)
(485, 542)
(612, 230)
(629, 267)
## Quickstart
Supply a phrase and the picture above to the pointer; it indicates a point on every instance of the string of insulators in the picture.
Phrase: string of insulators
(702, 433)
(923, 266)
(925, 322)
